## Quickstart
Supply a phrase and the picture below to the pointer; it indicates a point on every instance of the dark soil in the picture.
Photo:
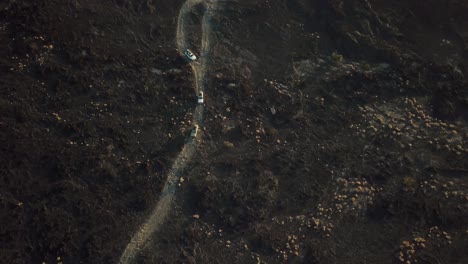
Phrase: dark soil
(335, 132)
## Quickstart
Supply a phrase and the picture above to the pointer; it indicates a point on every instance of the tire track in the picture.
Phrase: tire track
(163, 207)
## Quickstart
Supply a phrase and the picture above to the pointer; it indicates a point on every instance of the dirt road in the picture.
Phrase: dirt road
(157, 217)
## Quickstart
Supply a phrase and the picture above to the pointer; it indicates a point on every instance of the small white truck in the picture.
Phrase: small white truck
(194, 132)
(189, 54)
(200, 97)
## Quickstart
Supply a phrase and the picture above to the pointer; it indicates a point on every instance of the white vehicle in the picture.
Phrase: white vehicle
(200, 97)
(194, 132)
(190, 55)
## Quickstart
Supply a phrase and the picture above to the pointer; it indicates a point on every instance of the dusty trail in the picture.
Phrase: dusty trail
(160, 212)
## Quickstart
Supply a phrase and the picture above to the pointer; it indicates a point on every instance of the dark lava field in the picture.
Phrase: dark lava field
(335, 131)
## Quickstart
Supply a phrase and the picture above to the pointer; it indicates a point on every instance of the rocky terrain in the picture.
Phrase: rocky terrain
(334, 132)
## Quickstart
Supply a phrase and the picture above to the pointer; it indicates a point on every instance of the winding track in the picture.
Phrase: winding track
(160, 212)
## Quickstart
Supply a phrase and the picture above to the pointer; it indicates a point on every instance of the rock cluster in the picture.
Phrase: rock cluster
(353, 195)
(290, 248)
(329, 68)
(449, 190)
(411, 251)
(410, 125)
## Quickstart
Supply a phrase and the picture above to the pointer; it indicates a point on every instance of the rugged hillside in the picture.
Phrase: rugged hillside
(335, 132)
(94, 100)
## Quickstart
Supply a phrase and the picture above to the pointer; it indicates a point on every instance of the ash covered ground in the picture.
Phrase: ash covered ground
(334, 132)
